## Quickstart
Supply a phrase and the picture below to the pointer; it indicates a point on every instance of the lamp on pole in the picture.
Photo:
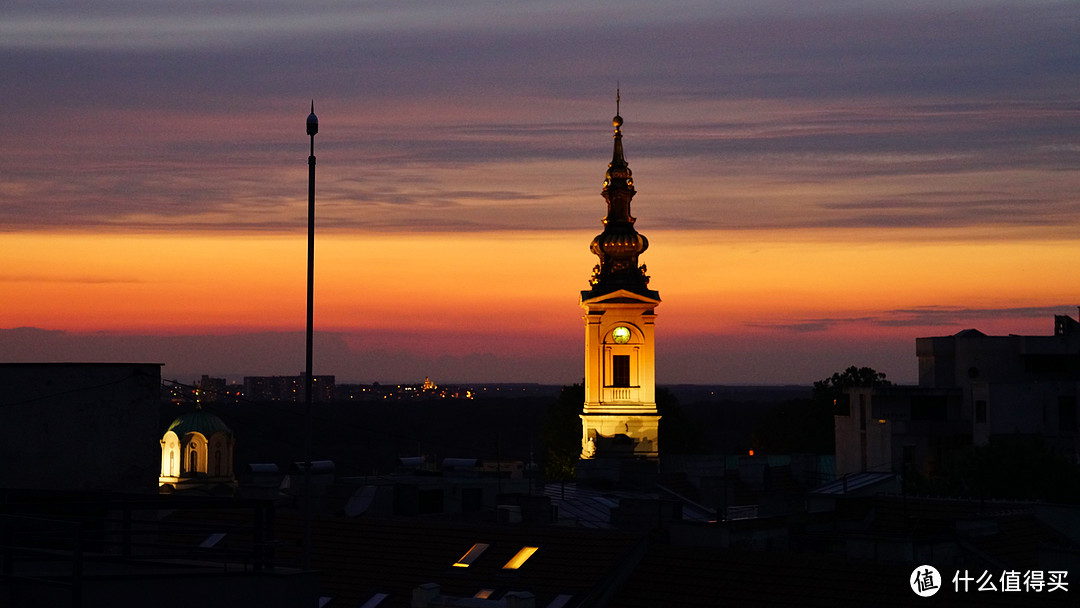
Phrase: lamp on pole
(312, 129)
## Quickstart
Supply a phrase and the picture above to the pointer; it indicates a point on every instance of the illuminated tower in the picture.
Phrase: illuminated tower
(619, 419)
(197, 453)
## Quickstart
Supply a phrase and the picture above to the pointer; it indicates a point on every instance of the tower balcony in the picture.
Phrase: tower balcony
(620, 400)
(621, 394)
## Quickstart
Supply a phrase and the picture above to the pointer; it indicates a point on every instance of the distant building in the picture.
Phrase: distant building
(273, 388)
(287, 388)
(79, 426)
(210, 390)
(972, 387)
(620, 424)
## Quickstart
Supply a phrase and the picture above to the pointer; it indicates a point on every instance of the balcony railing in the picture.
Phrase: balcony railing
(621, 393)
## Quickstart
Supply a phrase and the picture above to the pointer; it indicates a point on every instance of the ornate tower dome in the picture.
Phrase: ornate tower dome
(200, 422)
(619, 245)
(197, 452)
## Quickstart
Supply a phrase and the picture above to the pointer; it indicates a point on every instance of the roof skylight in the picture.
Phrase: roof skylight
(471, 555)
(519, 559)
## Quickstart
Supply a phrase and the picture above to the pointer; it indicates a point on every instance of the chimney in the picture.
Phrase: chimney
(424, 595)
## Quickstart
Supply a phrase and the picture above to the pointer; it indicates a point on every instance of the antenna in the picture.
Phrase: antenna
(616, 98)
(312, 129)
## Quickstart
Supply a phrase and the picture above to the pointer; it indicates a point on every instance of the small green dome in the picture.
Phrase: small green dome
(198, 422)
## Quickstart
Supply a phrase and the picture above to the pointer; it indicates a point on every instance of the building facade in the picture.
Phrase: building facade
(972, 388)
(288, 388)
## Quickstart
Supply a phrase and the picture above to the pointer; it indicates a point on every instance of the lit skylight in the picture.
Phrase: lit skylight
(519, 559)
(472, 555)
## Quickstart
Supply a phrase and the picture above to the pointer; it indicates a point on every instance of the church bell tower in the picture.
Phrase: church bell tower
(619, 419)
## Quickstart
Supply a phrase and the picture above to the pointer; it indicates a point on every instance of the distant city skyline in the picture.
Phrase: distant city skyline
(820, 184)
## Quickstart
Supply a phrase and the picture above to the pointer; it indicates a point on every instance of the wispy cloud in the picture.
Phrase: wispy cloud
(491, 116)
(82, 279)
(929, 317)
(937, 316)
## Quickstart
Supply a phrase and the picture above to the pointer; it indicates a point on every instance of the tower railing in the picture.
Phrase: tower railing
(630, 394)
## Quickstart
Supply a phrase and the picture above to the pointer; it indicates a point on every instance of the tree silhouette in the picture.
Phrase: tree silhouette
(561, 433)
(833, 387)
(678, 433)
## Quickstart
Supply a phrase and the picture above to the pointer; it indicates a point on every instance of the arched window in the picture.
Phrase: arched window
(194, 462)
(217, 463)
(172, 463)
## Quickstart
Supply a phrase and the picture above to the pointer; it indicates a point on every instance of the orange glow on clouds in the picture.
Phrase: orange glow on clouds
(506, 283)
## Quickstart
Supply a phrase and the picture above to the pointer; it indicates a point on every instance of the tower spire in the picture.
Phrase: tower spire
(619, 245)
(618, 175)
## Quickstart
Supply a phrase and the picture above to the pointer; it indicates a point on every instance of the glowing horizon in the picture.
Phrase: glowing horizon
(450, 293)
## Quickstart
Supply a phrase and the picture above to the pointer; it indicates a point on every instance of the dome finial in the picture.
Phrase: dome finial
(618, 173)
(617, 121)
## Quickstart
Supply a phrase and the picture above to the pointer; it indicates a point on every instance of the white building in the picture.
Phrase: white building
(972, 388)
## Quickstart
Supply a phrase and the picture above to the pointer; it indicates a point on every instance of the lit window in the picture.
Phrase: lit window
(519, 559)
(471, 555)
(484, 594)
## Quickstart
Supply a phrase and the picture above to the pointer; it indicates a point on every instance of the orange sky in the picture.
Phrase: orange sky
(735, 284)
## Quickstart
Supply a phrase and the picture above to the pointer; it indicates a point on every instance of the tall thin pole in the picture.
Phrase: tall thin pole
(312, 129)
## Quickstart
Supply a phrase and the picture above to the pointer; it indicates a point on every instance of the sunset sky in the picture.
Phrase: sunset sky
(820, 182)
